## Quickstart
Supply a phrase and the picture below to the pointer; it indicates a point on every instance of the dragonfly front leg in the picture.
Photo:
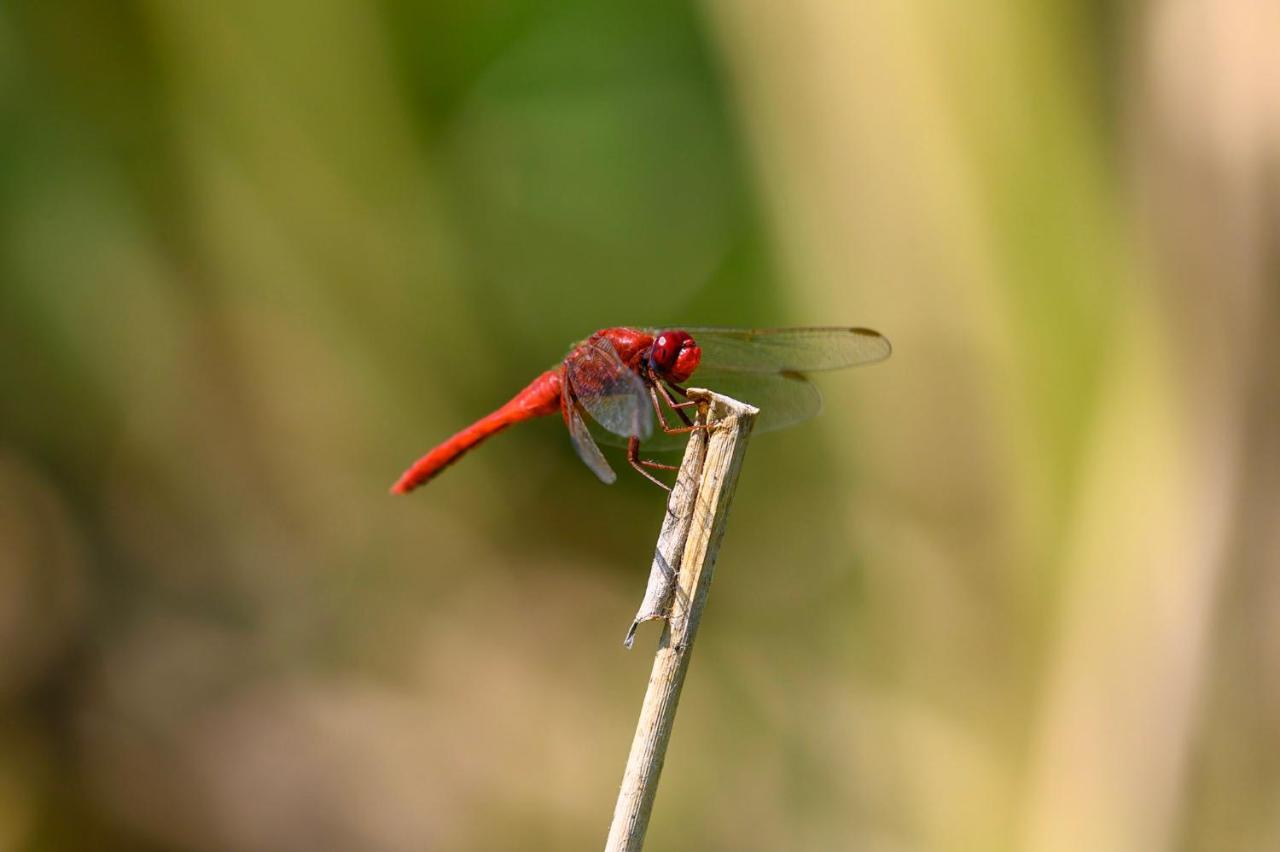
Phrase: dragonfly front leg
(677, 407)
(664, 384)
(654, 389)
(633, 459)
(656, 382)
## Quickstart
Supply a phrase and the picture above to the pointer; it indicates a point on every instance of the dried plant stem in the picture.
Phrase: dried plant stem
(715, 473)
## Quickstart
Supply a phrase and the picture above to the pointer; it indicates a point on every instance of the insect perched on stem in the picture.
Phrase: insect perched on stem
(622, 378)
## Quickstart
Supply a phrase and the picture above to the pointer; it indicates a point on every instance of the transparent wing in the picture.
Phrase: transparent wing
(784, 399)
(583, 443)
(608, 390)
(768, 350)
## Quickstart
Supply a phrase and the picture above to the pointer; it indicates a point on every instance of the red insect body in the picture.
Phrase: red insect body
(596, 376)
(540, 398)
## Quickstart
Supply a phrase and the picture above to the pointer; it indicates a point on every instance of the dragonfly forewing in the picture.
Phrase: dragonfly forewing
(780, 350)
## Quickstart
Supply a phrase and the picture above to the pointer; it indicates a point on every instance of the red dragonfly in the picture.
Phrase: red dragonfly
(622, 377)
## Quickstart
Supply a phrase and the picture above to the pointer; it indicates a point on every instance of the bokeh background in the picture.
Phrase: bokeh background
(1017, 588)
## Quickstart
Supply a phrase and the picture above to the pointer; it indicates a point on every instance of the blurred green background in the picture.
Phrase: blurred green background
(1016, 589)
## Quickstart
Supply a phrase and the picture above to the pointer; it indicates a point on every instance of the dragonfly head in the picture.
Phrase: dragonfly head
(674, 355)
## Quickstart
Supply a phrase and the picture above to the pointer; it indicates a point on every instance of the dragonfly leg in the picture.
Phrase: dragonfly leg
(657, 406)
(662, 420)
(677, 407)
(633, 459)
(661, 384)
(666, 395)
(683, 430)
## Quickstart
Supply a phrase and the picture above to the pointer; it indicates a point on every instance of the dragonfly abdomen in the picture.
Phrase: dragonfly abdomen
(541, 397)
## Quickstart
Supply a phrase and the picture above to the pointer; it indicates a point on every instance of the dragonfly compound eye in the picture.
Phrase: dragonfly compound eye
(675, 355)
(665, 349)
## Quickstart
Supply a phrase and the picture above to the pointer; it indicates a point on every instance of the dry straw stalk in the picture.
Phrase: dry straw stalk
(699, 508)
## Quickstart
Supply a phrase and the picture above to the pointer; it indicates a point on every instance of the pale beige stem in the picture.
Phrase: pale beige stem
(716, 475)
